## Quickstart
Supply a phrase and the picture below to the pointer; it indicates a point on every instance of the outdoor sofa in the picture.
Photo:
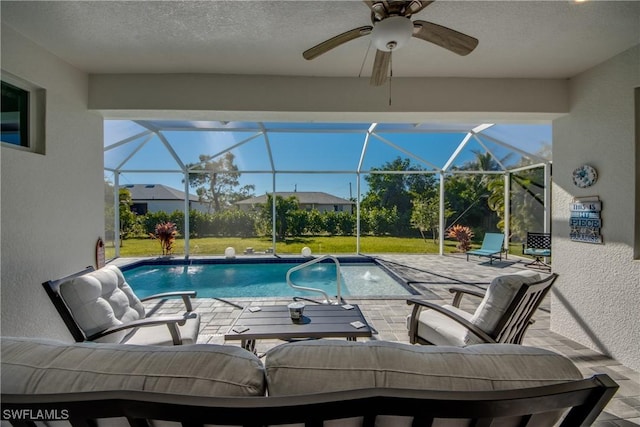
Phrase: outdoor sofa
(315, 382)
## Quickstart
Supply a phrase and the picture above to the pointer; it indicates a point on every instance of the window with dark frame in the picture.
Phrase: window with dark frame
(14, 121)
(139, 208)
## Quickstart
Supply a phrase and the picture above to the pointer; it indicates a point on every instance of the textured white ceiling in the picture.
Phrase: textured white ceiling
(533, 39)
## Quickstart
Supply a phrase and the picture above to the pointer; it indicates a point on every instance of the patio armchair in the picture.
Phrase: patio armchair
(503, 316)
(538, 245)
(99, 305)
(492, 245)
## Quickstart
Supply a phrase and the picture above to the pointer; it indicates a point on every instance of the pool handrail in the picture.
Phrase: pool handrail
(304, 288)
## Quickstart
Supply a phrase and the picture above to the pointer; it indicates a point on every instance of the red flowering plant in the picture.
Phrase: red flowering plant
(166, 233)
(463, 235)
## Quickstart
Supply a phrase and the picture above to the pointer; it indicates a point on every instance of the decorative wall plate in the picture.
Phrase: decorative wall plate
(585, 176)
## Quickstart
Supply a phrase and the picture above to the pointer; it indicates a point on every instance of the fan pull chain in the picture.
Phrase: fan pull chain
(366, 54)
(390, 74)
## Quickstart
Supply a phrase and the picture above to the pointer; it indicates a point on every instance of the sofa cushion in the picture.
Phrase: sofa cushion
(36, 366)
(495, 302)
(332, 365)
(102, 299)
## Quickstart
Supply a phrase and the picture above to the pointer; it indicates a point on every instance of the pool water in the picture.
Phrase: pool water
(262, 280)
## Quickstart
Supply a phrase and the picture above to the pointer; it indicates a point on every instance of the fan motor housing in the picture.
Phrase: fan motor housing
(392, 33)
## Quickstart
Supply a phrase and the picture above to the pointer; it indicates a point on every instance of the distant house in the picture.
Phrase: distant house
(307, 200)
(157, 197)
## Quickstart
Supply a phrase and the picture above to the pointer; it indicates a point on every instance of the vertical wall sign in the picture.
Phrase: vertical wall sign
(585, 220)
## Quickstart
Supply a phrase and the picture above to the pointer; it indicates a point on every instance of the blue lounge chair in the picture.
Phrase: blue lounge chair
(491, 246)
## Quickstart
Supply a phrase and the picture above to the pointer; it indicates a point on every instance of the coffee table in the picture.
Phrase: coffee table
(319, 321)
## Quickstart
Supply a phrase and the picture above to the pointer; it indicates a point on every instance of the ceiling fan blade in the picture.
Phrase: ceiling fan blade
(380, 68)
(336, 41)
(447, 38)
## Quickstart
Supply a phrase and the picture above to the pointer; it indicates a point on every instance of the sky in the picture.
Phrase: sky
(300, 150)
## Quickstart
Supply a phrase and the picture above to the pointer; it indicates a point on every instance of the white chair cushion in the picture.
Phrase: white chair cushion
(37, 366)
(495, 302)
(102, 299)
(134, 301)
(439, 329)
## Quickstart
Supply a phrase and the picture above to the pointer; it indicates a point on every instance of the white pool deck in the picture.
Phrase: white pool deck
(431, 276)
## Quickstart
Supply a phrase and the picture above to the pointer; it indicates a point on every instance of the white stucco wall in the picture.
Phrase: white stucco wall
(52, 204)
(597, 297)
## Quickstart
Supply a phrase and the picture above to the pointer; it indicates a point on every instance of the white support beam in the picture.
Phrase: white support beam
(386, 172)
(464, 172)
(186, 214)
(493, 156)
(171, 151)
(273, 190)
(358, 213)
(127, 140)
(507, 209)
(456, 153)
(547, 201)
(524, 168)
(273, 212)
(116, 212)
(547, 197)
(133, 153)
(151, 171)
(408, 153)
(365, 145)
(238, 144)
(267, 144)
(441, 223)
(482, 127)
(526, 154)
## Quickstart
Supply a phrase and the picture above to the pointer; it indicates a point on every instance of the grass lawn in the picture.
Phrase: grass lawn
(318, 244)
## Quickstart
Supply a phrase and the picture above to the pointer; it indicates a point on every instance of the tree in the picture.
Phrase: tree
(129, 224)
(218, 182)
(425, 215)
(284, 209)
(396, 190)
(387, 190)
(496, 199)
(465, 192)
(380, 221)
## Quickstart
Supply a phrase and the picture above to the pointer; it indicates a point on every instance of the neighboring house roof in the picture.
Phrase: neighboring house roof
(304, 198)
(156, 192)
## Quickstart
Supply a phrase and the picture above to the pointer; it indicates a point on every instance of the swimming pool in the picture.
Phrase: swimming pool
(261, 279)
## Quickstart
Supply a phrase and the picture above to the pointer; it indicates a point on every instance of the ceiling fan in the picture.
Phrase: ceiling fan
(392, 28)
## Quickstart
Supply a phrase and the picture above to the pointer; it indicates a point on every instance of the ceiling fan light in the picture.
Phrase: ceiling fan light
(392, 33)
